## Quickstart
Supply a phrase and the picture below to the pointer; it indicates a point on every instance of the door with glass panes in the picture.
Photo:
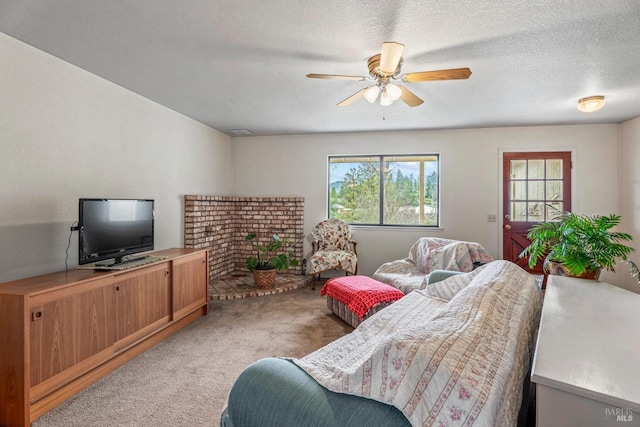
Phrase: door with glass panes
(536, 187)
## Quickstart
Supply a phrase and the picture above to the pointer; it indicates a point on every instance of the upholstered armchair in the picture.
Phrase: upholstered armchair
(332, 248)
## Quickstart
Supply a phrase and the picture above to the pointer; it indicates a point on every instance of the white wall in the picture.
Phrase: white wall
(66, 133)
(470, 181)
(630, 190)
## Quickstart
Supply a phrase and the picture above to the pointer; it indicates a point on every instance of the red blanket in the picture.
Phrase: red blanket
(360, 293)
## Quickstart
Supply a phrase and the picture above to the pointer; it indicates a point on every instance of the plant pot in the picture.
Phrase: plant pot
(559, 269)
(264, 279)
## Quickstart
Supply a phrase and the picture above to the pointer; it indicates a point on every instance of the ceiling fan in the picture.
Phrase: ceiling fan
(384, 68)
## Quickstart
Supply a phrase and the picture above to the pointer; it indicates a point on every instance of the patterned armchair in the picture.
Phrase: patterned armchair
(332, 248)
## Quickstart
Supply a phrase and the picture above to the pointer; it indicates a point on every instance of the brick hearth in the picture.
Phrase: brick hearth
(221, 223)
(240, 285)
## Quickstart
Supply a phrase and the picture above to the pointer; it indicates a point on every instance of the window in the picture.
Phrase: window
(385, 190)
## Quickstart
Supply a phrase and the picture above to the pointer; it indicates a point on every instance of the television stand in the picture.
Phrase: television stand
(123, 265)
(125, 260)
(63, 331)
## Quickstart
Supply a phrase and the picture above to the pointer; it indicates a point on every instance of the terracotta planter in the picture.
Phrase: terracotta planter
(559, 269)
(264, 279)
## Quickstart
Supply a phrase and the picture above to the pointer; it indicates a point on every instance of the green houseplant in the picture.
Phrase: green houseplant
(583, 244)
(275, 255)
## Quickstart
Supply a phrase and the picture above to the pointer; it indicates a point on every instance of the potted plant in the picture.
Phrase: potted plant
(583, 245)
(271, 257)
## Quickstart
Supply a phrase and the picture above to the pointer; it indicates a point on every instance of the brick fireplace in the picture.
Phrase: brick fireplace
(221, 223)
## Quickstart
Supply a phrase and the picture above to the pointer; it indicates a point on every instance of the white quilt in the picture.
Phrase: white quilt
(442, 363)
(429, 254)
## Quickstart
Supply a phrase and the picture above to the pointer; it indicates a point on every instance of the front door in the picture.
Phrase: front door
(536, 187)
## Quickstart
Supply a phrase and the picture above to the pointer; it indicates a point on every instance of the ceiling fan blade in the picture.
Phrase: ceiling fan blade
(425, 76)
(353, 98)
(409, 97)
(390, 57)
(335, 76)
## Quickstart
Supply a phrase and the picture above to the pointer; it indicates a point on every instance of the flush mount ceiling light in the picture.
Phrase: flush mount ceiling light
(591, 103)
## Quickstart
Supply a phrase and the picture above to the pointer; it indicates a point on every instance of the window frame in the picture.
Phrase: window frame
(381, 160)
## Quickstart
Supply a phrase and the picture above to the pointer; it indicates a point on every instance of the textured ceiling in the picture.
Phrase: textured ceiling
(242, 64)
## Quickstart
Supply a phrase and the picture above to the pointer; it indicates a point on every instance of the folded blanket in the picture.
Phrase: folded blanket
(360, 293)
(457, 362)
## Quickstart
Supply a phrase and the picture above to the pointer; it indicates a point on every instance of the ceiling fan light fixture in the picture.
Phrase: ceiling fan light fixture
(591, 103)
(383, 68)
(385, 99)
(371, 94)
(393, 91)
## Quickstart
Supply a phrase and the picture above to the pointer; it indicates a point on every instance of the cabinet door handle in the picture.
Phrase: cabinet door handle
(116, 289)
(36, 315)
(166, 273)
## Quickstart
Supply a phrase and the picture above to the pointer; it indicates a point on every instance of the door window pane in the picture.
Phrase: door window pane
(535, 211)
(518, 169)
(553, 209)
(554, 169)
(519, 190)
(554, 190)
(536, 169)
(518, 211)
(536, 190)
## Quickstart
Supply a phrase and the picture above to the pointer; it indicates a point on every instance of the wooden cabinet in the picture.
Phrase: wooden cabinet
(190, 288)
(142, 302)
(63, 331)
(66, 328)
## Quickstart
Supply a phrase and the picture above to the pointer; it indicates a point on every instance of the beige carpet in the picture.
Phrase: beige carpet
(184, 380)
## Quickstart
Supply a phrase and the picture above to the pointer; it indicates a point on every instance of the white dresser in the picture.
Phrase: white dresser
(587, 361)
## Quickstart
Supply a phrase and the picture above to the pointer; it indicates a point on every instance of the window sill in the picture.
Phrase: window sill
(406, 228)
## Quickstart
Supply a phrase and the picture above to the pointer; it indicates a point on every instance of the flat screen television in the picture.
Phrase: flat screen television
(114, 228)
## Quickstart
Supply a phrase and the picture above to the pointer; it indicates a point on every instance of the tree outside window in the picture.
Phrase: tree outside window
(385, 190)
